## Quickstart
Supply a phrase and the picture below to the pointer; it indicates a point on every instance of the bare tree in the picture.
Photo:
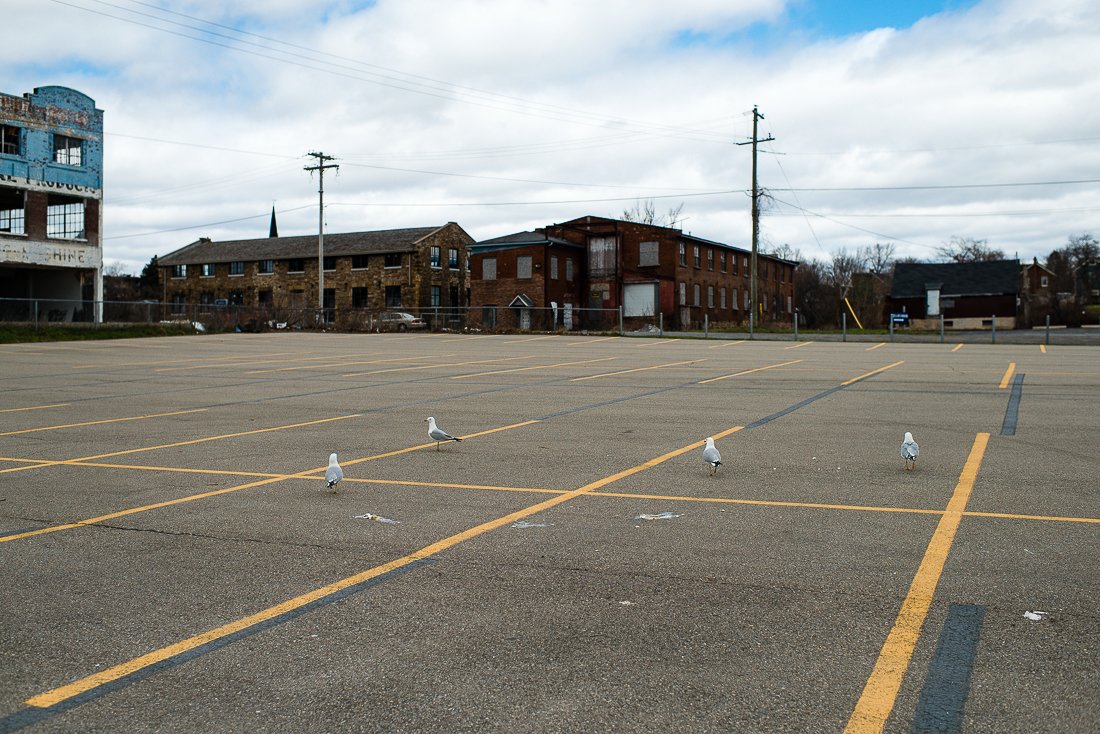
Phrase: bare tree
(646, 213)
(968, 250)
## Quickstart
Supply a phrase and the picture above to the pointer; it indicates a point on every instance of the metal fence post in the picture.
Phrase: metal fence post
(751, 320)
(993, 331)
(1048, 330)
(706, 326)
(661, 324)
(620, 320)
(843, 327)
(35, 306)
(891, 328)
(941, 328)
(796, 324)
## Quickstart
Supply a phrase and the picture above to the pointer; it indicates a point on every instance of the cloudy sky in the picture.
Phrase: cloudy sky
(907, 123)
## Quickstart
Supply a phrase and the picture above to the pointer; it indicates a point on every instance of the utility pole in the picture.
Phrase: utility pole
(756, 116)
(322, 164)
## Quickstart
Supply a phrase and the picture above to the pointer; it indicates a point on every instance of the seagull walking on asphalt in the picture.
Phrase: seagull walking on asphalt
(334, 473)
(437, 434)
(909, 451)
(711, 456)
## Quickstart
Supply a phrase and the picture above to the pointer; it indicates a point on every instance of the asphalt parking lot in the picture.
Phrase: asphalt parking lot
(173, 561)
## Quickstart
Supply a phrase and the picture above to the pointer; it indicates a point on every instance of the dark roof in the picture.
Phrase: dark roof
(281, 248)
(520, 239)
(957, 279)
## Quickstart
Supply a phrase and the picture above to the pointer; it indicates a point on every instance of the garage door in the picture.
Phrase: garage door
(640, 299)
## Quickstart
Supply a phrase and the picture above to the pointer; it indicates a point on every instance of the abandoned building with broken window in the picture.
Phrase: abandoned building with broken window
(421, 269)
(51, 195)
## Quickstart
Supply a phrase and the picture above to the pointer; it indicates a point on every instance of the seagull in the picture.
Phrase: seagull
(334, 473)
(711, 456)
(909, 451)
(437, 434)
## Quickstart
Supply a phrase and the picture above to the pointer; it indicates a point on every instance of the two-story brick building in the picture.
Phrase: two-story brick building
(418, 269)
(51, 196)
(646, 269)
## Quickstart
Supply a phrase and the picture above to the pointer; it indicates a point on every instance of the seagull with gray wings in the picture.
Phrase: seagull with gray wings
(909, 451)
(334, 473)
(711, 456)
(437, 434)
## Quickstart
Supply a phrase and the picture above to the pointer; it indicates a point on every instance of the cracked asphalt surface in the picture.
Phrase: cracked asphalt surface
(174, 563)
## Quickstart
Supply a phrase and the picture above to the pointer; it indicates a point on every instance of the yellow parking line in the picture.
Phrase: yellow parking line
(592, 341)
(636, 369)
(532, 339)
(746, 372)
(535, 367)
(877, 700)
(173, 361)
(1043, 348)
(727, 344)
(108, 420)
(114, 673)
(245, 363)
(1007, 375)
(871, 349)
(796, 346)
(656, 343)
(873, 372)
(34, 407)
(342, 364)
(957, 347)
(431, 366)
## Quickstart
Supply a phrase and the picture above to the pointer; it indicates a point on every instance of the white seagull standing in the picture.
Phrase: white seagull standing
(909, 451)
(437, 434)
(334, 473)
(711, 456)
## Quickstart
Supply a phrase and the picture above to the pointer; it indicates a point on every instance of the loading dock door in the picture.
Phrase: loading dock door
(640, 299)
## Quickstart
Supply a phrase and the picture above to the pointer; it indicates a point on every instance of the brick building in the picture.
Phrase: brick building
(968, 295)
(415, 269)
(51, 196)
(645, 268)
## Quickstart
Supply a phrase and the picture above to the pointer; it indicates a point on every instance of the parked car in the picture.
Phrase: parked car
(400, 321)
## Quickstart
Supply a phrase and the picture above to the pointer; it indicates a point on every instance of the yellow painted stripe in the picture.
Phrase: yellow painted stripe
(240, 363)
(1043, 348)
(535, 367)
(34, 407)
(957, 347)
(342, 364)
(174, 361)
(764, 503)
(877, 700)
(592, 341)
(420, 447)
(797, 346)
(433, 366)
(727, 344)
(108, 420)
(1007, 375)
(746, 372)
(532, 339)
(873, 372)
(656, 343)
(57, 695)
(636, 369)
(450, 485)
(1045, 518)
(871, 349)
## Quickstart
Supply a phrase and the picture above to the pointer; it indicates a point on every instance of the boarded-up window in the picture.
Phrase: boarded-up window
(695, 300)
(489, 268)
(683, 294)
(722, 298)
(553, 267)
(710, 296)
(523, 267)
(648, 254)
(601, 255)
(569, 268)
(733, 298)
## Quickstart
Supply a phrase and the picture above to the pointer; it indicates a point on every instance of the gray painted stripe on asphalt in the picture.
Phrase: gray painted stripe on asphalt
(1008, 427)
(943, 697)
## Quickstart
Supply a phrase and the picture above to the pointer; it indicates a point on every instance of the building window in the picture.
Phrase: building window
(788, 304)
(207, 270)
(359, 297)
(648, 254)
(453, 296)
(747, 299)
(265, 267)
(601, 255)
(746, 264)
(569, 269)
(65, 218)
(265, 298)
(722, 262)
(392, 260)
(467, 263)
(683, 294)
(452, 257)
(733, 261)
(553, 267)
(697, 258)
(683, 255)
(722, 298)
(179, 271)
(359, 262)
(733, 299)
(13, 211)
(436, 255)
(236, 267)
(489, 268)
(695, 294)
(523, 267)
(177, 302)
(710, 258)
(10, 140)
(67, 150)
(710, 296)
(329, 263)
(436, 292)
(236, 298)
(297, 265)
(393, 296)
(1044, 282)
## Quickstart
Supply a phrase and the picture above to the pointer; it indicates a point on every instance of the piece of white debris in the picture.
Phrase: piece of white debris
(1036, 616)
(658, 516)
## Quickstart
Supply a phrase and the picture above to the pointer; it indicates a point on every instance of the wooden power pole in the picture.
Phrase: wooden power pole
(756, 117)
(322, 164)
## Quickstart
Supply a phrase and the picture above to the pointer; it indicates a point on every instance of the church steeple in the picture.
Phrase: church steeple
(274, 231)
